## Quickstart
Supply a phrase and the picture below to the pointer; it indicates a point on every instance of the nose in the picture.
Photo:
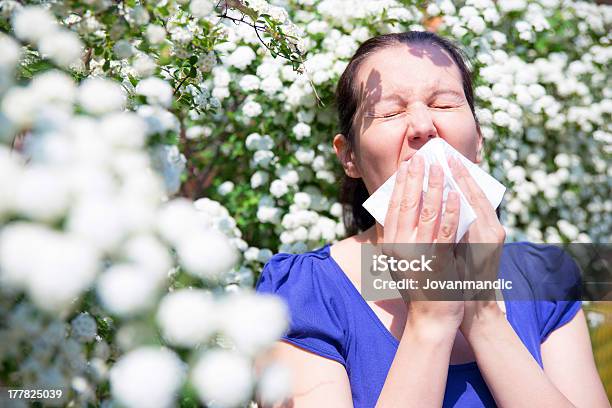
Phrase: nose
(420, 126)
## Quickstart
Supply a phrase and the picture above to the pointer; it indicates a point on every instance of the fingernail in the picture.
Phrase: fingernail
(416, 162)
(404, 166)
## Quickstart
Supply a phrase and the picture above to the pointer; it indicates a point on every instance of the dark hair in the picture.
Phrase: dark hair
(353, 191)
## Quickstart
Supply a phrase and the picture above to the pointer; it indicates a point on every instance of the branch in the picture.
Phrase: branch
(180, 83)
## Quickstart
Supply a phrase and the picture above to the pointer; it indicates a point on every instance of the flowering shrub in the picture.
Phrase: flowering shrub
(113, 289)
(154, 155)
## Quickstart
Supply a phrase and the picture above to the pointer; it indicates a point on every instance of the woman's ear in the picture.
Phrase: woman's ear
(346, 156)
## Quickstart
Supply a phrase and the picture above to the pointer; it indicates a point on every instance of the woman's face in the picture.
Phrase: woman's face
(407, 95)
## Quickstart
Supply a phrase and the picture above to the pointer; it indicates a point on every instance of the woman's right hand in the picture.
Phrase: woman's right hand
(414, 228)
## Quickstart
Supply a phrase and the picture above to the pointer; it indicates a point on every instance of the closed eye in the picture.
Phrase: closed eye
(389, 115)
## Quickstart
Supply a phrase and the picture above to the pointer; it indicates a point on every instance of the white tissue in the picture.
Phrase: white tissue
(436, 151)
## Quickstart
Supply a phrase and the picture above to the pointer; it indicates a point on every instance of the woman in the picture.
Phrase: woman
(397, 92)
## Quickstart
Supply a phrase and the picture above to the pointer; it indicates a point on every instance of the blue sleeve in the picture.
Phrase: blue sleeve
(314, 308)
(559, 267)
(556, 314)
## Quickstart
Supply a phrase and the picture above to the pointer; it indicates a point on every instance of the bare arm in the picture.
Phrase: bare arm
(317, 381)
(505, 363)
(417, 377)
(569, 378)
(574, 373)
(419, 371)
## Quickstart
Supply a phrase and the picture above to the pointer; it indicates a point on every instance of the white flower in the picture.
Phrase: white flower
(97, 95)
(158, 119)
(567, 229)
(140, 15)
(221, 77)
(42, 193)
(63, 267)
(252, 141)
(433, 9)
(201, 8)
(302, 200)
(264, 255)
(271, 85)
(275, 384)
(501, 119)
(595, 318)
(156, 90)
(262, 158)
(33, 23)
(253, 322)
(170, 162)
(256, 142)
(447, 7)
(223, 378)
(476, 24)
(207, 61)
(195, 132)
(55, 87)
(458, 31)
(511, 5)
(123, 49)
(251, 109)
(301, 130)
(260, 6)
(251, 254)
(143, 65)
(10, 52)
(317, 26)
(288, 74)
(187, 317)
(64, 47)
(147, 377)
(207, 254)
(278, 13)
(516, 174)
(259, 178)
(155, 34)
(99, 220)
(218, 93)
(126, 289)
(177, 219)
(84, 328)
(336, 210)
(290, 177)
(225, 188)
(249, 83)
(10, 168)
(562, 160)
(278, 188)
(268, 214)
(304, 155)
(123, 129)
(241, 57)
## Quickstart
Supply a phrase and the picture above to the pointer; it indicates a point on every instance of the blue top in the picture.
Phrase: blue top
(329, 317)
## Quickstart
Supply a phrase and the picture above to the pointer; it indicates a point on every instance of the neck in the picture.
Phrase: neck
(374, 234)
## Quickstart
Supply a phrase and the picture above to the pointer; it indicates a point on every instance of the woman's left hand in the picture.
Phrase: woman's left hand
(479, 250)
